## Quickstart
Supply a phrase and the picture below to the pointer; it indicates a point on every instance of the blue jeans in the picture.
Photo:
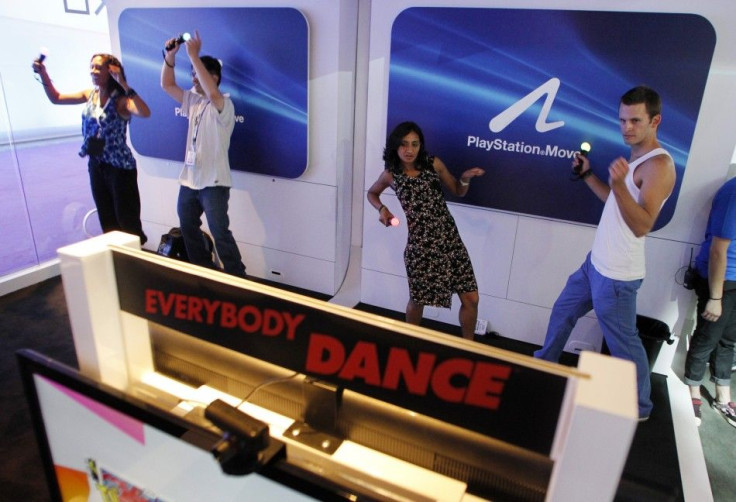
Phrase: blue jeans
(213, 202)
(614, 303)
(712, 341)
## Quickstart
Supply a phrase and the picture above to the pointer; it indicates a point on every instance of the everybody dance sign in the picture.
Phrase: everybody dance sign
(361, 352)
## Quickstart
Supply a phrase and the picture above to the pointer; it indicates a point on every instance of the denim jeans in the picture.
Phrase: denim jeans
(712, 341)
(614, 303)
(213, 202)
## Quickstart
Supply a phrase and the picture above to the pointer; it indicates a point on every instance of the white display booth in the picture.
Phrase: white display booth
(346, 367)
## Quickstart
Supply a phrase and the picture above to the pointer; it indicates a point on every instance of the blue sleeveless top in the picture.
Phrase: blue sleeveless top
(105, 122)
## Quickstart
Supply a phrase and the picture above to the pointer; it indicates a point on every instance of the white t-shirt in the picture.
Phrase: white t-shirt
(617, 253)
(209, 138)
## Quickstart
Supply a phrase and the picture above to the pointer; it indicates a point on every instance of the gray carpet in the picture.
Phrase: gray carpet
(719, 444)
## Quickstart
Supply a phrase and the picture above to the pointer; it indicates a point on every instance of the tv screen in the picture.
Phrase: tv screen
(98, 443)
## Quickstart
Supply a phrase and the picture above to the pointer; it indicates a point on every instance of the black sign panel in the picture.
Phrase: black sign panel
(505, 400)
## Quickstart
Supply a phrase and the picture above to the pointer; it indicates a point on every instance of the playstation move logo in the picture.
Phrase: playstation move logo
(549, 88)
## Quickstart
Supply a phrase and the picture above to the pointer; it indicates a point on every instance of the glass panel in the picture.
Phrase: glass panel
(18, 250)
(57, 193)
(44, 185)
(45, 196)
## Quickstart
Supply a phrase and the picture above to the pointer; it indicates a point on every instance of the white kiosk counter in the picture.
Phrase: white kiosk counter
(353, 404)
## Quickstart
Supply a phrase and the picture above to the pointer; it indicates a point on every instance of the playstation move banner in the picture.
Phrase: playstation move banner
(264, 52)
(516, 92)
(423, 374)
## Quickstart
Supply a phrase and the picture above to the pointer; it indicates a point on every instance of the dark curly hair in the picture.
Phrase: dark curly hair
(107, 60)
(391, 159)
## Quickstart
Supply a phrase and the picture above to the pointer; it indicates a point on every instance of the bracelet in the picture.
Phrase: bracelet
(167, 63)
(464, 183)
(585, 174)
(716, 299)
(130, 93)
(380, 208)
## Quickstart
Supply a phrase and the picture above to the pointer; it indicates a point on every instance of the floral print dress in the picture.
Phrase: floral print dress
(437, 262)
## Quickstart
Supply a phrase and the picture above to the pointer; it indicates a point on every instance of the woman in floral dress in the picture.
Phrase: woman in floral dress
(437, 262)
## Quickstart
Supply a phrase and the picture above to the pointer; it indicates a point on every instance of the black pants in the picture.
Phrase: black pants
(115, 192)
(712, 341)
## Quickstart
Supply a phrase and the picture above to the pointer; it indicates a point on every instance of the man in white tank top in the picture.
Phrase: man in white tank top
(611, 275)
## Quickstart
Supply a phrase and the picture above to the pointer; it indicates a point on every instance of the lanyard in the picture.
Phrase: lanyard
(94, 110)
(197, 121)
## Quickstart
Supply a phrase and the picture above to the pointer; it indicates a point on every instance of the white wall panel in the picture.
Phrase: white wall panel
(383, 247)
(662, 295)
(159, 186)
(287, 215)
(384, 290)
(545, 254)
(70, 42)
(288, 268)
(490, 237)
(295, 226)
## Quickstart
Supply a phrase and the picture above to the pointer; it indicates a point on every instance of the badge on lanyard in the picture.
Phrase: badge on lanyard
(191, 158)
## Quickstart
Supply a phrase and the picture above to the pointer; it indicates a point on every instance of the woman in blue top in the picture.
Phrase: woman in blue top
(109, 105)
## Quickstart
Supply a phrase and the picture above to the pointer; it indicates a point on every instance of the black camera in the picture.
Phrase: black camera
(245, 445)
(688, 280)
(92, 146)
(691, 275)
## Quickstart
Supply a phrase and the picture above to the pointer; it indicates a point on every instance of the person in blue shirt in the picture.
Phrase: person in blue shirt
(715, 284)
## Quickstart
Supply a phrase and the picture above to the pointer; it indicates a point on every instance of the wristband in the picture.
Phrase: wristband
(721, 298)
(464, 183)
(167, 63)
(130, 93)
(380, 208)
(585, 174)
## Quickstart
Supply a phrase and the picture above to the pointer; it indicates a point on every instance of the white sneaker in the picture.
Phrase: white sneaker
(728, 410)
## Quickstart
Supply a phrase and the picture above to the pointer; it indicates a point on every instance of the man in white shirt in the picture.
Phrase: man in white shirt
(205, 179)
(613, 271)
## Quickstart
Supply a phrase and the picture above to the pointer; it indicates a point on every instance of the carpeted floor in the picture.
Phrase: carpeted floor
(36, 318)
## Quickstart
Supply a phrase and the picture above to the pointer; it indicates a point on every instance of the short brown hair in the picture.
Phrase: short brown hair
(645, 95)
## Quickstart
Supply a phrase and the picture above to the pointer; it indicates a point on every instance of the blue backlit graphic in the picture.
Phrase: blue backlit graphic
(265, 70)
(517, 91)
